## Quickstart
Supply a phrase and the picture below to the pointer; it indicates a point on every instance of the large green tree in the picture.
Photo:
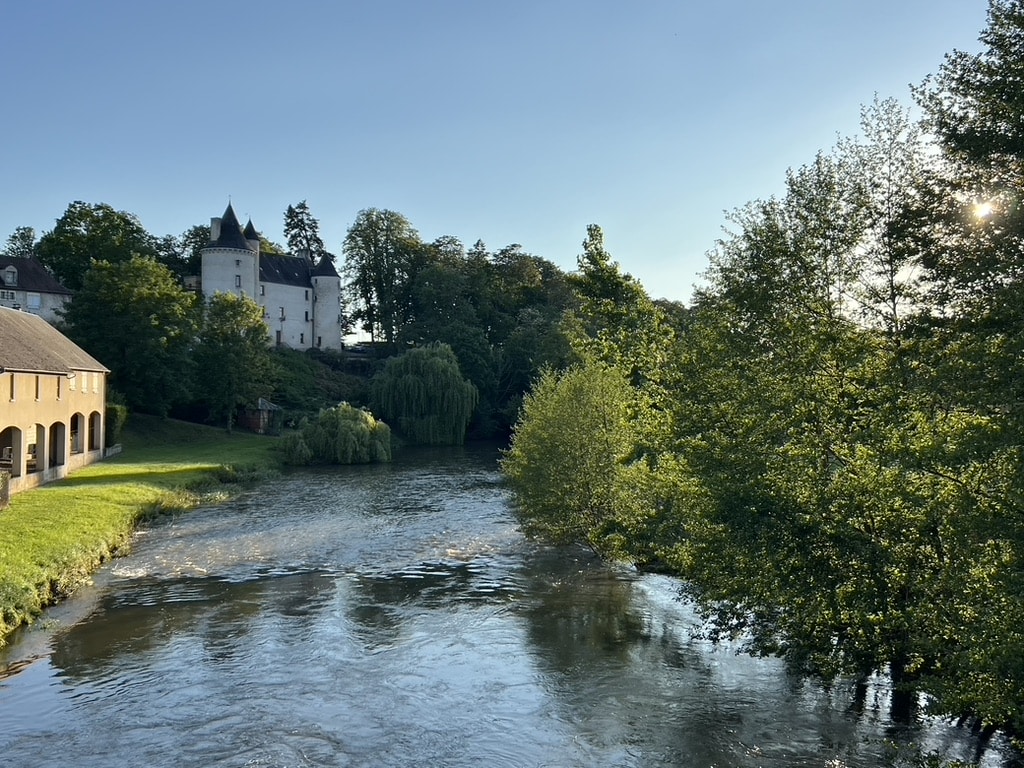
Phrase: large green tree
(382, 253)
(86, 233)
(21, 243)
(972, 241)
(573, 461)
(423, 394)
(302, 232)
(137, 320)
(232, 357)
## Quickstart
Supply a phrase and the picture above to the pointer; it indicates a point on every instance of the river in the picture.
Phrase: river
(395, 615)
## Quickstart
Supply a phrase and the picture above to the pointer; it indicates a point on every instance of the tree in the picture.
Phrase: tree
(302, 232)
(340, 435)
(573, 462)
(135, 318)
(972, 241)
(423, 394)
(382, 252)
(232, 358)
(192, 242)
(21, 244)
(87, 233)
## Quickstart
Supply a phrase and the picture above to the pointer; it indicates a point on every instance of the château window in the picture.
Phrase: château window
(7, 296)
(307, 294)
(37, 386)
(302, 338)
(238, 281)
(263, 290)
(12, 387)
(11, 276)
(34, 302)
(282, 312)
(307, 315)
(238, 262)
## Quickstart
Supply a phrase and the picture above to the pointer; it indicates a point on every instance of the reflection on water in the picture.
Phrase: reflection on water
(394, 616)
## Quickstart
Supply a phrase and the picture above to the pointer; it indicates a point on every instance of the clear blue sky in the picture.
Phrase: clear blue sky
(510, 122)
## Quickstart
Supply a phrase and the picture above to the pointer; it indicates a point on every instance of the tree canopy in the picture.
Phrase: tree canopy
(423, 394)
(136, 319)
(87, 233)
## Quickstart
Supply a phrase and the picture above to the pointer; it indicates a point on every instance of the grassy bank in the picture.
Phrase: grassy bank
(53, 537)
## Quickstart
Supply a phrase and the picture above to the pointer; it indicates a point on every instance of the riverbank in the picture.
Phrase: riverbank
(53, 537)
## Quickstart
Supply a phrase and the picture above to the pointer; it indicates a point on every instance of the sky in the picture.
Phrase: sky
(506, 122)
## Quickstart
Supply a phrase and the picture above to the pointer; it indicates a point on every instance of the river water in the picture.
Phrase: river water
(395, 616)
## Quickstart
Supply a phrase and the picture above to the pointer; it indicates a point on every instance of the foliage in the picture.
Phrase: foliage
(423, 393)
(86, 233)
(136, 319)
(573, 463)
(117, 415)
(343, 434)
(302, 232)
(381, 253)
(232, 359)
(304, 382)
(21, 243)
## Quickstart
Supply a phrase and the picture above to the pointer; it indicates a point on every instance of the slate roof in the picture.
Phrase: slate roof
(250, 231)
(30, 344)
(32, 276)
(285, 270)
(325, 268)
(231, 235)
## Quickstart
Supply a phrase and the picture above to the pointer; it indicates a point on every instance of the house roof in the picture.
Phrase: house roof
(250, 231)
(231, 235)
(32, 276)
(286, 270)
(30, 344)
(325, 268)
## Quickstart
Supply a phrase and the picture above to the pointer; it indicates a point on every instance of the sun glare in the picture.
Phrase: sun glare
(983, 209)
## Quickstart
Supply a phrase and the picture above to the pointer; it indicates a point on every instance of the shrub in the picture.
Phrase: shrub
(340, 435)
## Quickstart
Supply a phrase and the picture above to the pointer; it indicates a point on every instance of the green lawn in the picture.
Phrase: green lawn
(53, 537)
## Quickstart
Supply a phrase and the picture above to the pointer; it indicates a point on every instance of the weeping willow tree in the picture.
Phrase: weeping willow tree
(422, 392)
(340, 435)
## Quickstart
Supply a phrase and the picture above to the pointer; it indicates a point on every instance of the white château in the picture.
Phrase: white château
(301, 300)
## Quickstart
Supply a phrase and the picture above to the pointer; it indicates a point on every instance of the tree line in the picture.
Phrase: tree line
(495, 312)
(827, 446)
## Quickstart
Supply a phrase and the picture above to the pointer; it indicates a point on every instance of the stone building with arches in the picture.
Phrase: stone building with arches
(52, 402)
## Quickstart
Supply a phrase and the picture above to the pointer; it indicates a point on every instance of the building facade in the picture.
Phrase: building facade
(52, 402)
(301, 300)
(27, 285)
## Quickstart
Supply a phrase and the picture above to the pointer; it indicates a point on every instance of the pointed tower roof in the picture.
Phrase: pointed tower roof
(325, 268)
(250, 231)
(231, 235)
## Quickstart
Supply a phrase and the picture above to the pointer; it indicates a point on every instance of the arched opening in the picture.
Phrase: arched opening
(58, 441)
(11, 451)
(77, 426)
(95, 431)
(35, 454)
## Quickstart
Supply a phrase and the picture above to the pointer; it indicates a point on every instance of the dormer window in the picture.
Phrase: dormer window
(10, 277)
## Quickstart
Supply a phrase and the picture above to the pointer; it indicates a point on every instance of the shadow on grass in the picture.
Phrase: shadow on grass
(169, 475)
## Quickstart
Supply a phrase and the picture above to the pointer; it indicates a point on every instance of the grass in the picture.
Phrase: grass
(53, 537)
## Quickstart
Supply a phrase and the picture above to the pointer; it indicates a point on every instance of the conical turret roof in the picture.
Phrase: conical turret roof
(231, 235)
(250, 232)
(325, 267)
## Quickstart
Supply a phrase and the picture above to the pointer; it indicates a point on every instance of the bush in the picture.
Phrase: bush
(340, 435)
(117, 415)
